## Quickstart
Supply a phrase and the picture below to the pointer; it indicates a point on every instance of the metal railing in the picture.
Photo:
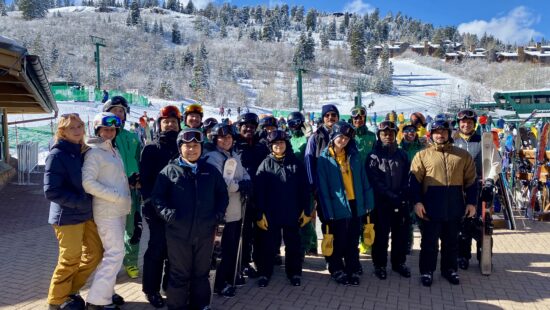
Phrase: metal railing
(27, 160)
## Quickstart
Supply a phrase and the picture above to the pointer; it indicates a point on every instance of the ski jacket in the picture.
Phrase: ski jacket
(252, 155)
(365, 140)
(195, 199)
(104, 178)
(154, 157)
(473, 146)
(411, 148)
(334, 202)
(282, 189)
(69, 203)
(298, 141)
(443, 178)
(129, 147)
(387, 171)
(217, 159)
(316, 143)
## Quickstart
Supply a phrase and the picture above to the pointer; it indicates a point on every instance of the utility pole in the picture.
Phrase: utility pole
(299, 70)
(358, 99)
(98, 42)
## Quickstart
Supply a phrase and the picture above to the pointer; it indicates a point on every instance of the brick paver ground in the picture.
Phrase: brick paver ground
(521, 277)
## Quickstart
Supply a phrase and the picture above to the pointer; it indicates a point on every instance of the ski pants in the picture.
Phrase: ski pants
(230, 245)
(80, 252)
(268, 241)
(155, 259)
(345, 254)
(386, 220)
(248, 236)
(131, 251)
(432, 231)
(111, 233)
(188, 285)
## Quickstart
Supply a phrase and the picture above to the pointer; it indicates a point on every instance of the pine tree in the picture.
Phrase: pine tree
(304, 54)
(311, 20)
(310, 48)
(299, 17)
(253, 35)
(190, 8)
(134, 12)
(223, 31)
(342, 28)
(54, 54)
(199, 82)
(32, 9)
(146, 26)
(172, 5)
(155, 29)
(3, 11)
(176, 34)
(324, 39)
(161, 29)
(371, 63)
(166, 91)
(240, 34)
(357, 45)
(188, 59)
(269, 31)
(332, 30)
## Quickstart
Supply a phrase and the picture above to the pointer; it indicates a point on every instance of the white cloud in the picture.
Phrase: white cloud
(515, 27)
(359, 7)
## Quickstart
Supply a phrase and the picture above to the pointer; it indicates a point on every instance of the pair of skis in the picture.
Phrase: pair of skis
(536, 185)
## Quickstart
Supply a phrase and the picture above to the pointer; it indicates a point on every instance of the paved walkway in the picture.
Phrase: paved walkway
(521, 278)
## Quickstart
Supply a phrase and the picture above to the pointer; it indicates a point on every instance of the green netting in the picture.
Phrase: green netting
(40, 134)
(76, 93)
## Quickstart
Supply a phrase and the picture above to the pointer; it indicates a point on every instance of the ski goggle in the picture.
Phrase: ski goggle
(276, 135)
(110, 121)
(358, 112)
(409, 130)
(209, 123)
(440, 125)
(223, 130)
(67, 115)
(466, 114)
(194, 108)
(170, 111)
(295, 123)
(190, 136)
(387, 125)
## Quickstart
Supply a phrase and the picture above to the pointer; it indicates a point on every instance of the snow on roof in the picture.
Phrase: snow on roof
(524, 90)
(451, 54)
(537, 53)
(508, 54)
(417, 46)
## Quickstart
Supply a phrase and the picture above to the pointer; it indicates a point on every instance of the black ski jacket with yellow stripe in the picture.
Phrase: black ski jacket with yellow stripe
(443, 179)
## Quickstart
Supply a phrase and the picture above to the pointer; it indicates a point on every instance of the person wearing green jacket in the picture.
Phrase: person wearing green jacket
(365, 140)
(129, 147)
(298, 140)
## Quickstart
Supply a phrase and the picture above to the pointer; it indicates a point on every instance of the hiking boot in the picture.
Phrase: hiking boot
(96, 307)
(380, 273)
(77, 301)
(354, 279)
(132, 271)
(228, 291)
(118, 300)
(155, 300)
(250, 272)
(263, 281)
(403, 270)
(340, 277)
(295, 281)
(426, 279)
(452, 277)
(463, 263)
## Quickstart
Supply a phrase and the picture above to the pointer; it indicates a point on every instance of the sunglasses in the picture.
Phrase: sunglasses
(466, 114)
(194, 108)
(67, 115)
(358, 112)
(331, 114)
(387, 125)
(189, 136)
(409, 130)
(170, 111)
(110, 121)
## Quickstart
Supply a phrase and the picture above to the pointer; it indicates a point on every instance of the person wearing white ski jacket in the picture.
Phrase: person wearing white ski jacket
(103, 177)
(237, 188)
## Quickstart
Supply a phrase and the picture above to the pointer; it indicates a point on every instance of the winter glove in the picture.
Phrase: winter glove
(304, 219)
(487, 191)
(232, 187)
(133, 180)
(138, 227)
(168, 215)
(245, 187)
(262, 224)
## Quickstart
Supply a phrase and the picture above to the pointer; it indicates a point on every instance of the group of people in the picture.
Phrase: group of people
(265, 185)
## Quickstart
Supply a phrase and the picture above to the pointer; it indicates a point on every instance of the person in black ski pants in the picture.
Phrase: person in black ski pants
(190, 195)
(154, 157)
(282, 205)
(387, 169)
(252, 153)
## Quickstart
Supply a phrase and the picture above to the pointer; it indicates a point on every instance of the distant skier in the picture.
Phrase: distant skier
(105, 96)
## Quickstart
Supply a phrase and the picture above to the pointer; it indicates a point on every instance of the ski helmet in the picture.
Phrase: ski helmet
(276, 135)
(117, 101)
(169, 111)
(209, 123)
(221, 130)
(408, 126)
(268, 121)
(440, 124)
(384, 125)
(467, 114)
(248, 118)
(342, 128)
(189, 135)
(295, 120)
(192, 108)
(106, 119)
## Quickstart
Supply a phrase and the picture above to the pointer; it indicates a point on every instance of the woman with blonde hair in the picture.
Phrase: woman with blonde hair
(80, 249)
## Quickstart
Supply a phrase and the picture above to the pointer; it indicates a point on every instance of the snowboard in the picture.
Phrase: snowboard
(537, 169)
(485, 262)
(228, 173)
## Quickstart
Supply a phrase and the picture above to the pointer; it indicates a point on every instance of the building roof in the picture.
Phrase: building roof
(24, 86)
(538, 53)
(508, 54)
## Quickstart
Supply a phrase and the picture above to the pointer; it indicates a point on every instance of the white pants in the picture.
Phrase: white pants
(111, 233)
